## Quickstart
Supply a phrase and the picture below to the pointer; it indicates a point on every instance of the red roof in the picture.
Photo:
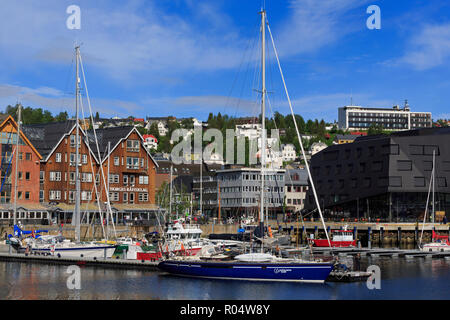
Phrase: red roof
(139, 120)
(358, 133)
(145, 136)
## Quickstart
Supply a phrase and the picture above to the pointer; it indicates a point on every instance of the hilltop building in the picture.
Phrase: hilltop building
(395, 119)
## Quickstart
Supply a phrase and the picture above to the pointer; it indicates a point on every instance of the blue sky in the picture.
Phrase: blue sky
(192, 57)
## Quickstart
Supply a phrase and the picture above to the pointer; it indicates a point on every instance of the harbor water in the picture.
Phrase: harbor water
(417, 278)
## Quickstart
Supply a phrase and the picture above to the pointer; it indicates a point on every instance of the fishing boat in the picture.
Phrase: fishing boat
(253, 266)
(440, 243)
(340, 238)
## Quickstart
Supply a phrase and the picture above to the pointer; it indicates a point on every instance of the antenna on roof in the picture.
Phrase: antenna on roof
(351, 97)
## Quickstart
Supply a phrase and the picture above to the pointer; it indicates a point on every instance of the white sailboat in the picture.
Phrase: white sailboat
(439, 243)
(62, 247)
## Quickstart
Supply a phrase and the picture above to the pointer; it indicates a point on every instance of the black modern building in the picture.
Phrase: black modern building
(384, 177)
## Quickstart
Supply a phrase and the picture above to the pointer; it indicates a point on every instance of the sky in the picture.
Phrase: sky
(187, 58)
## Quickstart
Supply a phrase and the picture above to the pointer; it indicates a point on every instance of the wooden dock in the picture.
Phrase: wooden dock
(91, 262)
(374, 252)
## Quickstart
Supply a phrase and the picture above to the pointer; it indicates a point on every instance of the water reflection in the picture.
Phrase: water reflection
(401, 278)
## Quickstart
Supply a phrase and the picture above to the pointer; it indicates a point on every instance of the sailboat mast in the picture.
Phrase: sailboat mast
(77, 178)
(170, 195)
(19, 107)
(263, 118)
(201, 183)
(433, 213)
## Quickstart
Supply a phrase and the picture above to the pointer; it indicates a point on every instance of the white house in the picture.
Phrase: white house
(317, 147)
(250, 130)
(150, 141)
(162, 129)
(288, 152)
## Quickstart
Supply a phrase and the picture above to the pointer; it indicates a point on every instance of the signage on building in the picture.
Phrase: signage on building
(128, 189)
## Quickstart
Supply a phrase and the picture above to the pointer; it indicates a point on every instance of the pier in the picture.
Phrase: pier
(91, 262)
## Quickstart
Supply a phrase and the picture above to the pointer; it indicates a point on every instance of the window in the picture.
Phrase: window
(86, 195)
(395, 181)
(446, 165)
(383, 182)
(86, 177)
(362, 167)
(41, 176)
(72, 177)
(350, 167)
(20, 156)
(125, 197)
(20, 175)
(428, 150)
(72, 140)
(114, 178)
(131, 197)
(19, 195)
(404, 165)
(54, 176)
(55, 195)
(441, 182)
(132, 163)
(27, 195)
(133, 145)
(391, 149)
(58, 157)
(114, 196)
(367, 182)
(27, 176)
(143, 179)
(27, 156)
(419, 181)
(428, 165)
(85, 159)
(116, 161)
(125, 179)
(416, 149)
(132, 180)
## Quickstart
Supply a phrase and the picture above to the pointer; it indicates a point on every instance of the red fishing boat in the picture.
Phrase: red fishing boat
(339, 238)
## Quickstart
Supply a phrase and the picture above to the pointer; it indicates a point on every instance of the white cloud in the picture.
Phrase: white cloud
(428, 48)
(314, 24)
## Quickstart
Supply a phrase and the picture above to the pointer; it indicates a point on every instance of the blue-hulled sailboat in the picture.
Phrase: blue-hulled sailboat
(254, 266)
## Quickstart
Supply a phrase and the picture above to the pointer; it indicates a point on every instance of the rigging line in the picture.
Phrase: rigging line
(98, 148)
(246, 73)
(238, 72)
(299, 138)
(86, 141)
(426, 206)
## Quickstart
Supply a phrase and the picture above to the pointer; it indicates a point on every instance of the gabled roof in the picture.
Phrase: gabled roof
(45, 137)
(114, 135)
(5, 118)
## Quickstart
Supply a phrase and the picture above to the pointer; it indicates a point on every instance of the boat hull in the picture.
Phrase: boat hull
(290, 272)
(77, 252)
(435, 247)
(336, 244)
(157, 255)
